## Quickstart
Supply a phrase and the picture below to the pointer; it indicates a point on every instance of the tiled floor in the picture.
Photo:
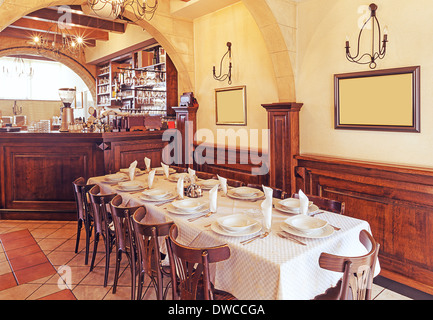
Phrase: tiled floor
(70, 278)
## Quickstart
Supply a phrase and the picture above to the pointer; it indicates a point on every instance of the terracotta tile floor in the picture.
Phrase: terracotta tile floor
(37, 261)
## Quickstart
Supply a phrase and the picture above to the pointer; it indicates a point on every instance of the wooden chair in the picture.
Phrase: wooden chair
(84, 213)
(358, 272)
(125, 239)
(179, 169)
(102, 219)
(235, 183)
(149, 254)
(190, 270)
(325, 203)
(277, 193)
(205, 175)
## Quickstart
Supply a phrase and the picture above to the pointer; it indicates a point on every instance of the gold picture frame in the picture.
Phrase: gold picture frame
(231, 106)
(382, 100)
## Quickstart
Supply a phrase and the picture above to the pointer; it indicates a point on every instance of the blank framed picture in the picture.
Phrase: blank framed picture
(230, 106)
(384, 100)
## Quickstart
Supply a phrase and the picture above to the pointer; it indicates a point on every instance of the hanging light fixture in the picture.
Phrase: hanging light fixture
(58, 39)
(228, 75)
(112, 9)
(370, 58)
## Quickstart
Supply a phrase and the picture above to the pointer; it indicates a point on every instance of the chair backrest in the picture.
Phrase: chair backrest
(191, 267)
(179, 169)
(235, 183)
(81, 190)
(122, 222)
(100, 205)
(148, 246)
(358, 272)
(325, 203)
(277, 193)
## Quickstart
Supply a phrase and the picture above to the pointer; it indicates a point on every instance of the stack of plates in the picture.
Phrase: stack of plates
(208, 184)
(308, 227)
(160, 171)
(115, 178)
(292, 205)
(157, 195)
(245, 193)
(134, 185)
(236, 225)
(188, 206)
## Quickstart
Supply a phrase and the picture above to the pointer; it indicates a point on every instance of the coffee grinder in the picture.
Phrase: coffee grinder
(67, 95)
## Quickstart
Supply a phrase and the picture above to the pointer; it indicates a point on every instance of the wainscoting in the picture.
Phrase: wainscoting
(397, 201)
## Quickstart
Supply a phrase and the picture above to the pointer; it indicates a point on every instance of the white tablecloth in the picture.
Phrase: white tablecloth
(269, 268)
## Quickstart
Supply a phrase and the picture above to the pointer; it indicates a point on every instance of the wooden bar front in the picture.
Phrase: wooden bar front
(37, 169)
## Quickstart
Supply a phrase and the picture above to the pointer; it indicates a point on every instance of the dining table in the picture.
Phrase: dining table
(271, 268)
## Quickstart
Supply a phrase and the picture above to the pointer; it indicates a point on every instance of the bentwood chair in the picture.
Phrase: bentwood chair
(190, 270)
(125, 239)
(149, 253)
(277, 193)
(102, 226)
(358, 272)
(205, 175)
(179, 169)
(235, 183)
(325, 203)
(84, 213)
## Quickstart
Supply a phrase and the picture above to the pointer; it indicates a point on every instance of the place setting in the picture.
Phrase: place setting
(293, 206)
(306, 227)
(245, 193)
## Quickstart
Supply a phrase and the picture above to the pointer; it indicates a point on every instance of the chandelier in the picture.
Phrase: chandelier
(58, 39)
(370, 58)
(113, 9)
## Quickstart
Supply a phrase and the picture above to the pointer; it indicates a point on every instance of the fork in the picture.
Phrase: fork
(260, 236)
(202, 216)
(286, 236)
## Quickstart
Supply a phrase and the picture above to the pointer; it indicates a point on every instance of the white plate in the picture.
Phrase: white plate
(305, 223)
(292, 204)
(174, 177)
(156, 193)
(208, 184)
(321, 233)
(236, 223)
(188, 205)
(160, 171)
(231, 194)
(245, 192)
(215, 227)
(116, 177)
(172, 209)
(313, 208)
(130, 190)
(169, 196)
(134, 184)
(138, 171)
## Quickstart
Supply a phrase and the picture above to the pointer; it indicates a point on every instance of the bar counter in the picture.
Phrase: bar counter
(37, 169)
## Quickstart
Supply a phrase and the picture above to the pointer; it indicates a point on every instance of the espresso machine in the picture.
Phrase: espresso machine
(67, 95)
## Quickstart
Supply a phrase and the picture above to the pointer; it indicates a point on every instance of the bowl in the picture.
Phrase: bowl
(210, 183)
(305, 223)
(155, 193)
(236, 223)
(292, 204)
(245, 192)
(127, 185)
(187, 205)
(115, 177)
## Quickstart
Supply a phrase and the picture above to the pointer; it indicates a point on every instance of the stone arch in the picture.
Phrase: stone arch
(86, 75)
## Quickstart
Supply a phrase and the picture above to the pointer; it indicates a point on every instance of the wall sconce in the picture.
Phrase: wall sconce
(373, 56)
(228, 75)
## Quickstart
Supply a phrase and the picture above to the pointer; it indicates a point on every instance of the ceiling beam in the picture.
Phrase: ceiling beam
(51, 14)
(40, 26)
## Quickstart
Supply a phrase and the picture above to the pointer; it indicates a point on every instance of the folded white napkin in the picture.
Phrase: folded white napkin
(180, 187)
(131, 170)
(150, 178)
(223, 182)
(147, 163)
(191, 175)
(166, 169)
(303, 200)
(267, 208)
(213, 196)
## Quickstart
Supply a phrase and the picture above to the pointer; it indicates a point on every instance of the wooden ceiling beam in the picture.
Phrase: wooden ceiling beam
(40, 26)
(51, 14)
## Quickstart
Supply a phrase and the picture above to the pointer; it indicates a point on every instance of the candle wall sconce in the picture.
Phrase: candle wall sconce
(370, 58)
(228, 75)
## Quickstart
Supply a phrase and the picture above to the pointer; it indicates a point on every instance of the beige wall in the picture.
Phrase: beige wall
(33, 110)
(252, 66)
(322, 30)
